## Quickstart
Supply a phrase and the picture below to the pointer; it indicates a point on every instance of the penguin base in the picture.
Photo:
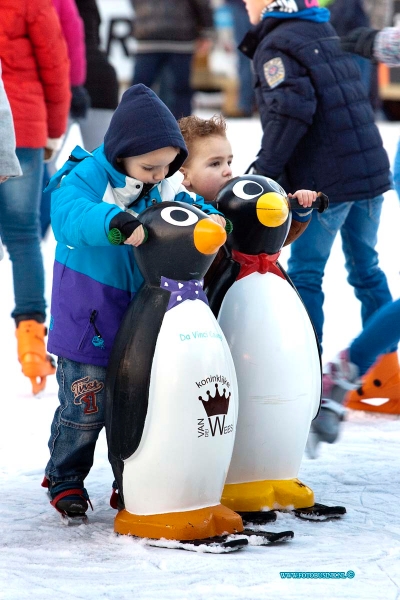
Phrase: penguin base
(189, 525)
(267, 495)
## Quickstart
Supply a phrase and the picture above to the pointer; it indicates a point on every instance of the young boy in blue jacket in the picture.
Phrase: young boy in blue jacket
(94, 281)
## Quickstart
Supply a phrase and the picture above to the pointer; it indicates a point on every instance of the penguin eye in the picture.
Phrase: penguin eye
(182, 217)
(247, 190)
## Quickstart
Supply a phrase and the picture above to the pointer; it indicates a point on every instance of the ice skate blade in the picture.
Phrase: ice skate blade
(70, 521)
(215, 545)
(320, 512)
(265, 538)
(260, 517)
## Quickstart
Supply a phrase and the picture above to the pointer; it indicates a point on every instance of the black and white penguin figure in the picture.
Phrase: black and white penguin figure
(171, 387)
(274, 349)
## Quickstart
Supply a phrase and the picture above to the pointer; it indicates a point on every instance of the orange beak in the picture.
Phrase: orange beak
(208, 236)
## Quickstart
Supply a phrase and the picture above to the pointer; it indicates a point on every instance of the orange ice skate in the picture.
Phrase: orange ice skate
(381, 381)
(36, 363)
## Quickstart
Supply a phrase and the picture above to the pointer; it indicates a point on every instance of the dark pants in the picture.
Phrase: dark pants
(175, 70)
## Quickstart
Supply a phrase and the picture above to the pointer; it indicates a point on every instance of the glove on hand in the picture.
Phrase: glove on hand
(80, 102)
(360, 41)
(125, 222)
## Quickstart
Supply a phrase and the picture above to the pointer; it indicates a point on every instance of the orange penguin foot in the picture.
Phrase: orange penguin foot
(197, 524)
(271, 494)
(381, 381)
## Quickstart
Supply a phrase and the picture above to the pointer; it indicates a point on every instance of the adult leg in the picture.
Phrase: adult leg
(380, 336)
(309, 254)
(396, 170)
(147, 68)
(359, 238)
(94, 127)
(380, 379)
(241, 25)
(180, 66)
(20, 231)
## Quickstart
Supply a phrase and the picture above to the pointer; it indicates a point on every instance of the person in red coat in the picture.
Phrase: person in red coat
(35, 68)
(74, 34)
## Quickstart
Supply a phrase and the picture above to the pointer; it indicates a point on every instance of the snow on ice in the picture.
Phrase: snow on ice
(41, 559)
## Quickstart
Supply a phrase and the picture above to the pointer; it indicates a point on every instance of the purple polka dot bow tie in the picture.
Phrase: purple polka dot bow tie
(183, 290)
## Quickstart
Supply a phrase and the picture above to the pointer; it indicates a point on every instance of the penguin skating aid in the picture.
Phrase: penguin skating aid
(172, 392)
(275, 352)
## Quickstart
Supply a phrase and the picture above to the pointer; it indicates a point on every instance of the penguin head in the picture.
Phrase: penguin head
(259, 210)
(182, 242)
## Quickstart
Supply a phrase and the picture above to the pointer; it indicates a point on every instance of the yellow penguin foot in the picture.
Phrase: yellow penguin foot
(189, 525)
(255, 496)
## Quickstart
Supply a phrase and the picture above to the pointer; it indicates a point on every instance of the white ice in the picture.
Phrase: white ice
(41, 559)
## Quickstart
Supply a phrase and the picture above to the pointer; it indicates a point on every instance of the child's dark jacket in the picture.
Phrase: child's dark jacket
(318, 125)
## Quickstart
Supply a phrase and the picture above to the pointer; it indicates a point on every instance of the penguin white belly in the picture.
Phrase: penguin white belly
(184, 455)
(277, 364)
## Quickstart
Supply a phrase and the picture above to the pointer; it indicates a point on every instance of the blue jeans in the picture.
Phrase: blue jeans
(177, 68)
(380, 336)
(358, 224)
(241, 25)
(19, 229)
(77, 421)
(396, 170)
(365, 67)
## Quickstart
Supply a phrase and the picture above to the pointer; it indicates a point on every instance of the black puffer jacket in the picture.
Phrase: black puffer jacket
(318, 125)
(101, 79)
(175, 23)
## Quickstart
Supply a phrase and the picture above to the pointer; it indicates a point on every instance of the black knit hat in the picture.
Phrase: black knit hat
(141, 124)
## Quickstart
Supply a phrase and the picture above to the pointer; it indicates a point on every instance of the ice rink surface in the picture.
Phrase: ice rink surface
(41, 559)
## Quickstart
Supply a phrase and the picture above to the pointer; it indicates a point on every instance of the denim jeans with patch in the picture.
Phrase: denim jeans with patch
(358, 224)
(77, 421)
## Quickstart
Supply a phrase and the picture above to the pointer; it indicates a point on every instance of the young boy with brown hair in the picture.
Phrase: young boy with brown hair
(208, 166)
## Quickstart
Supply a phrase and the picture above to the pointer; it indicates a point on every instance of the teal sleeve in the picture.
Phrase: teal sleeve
(199, 200)
(79, 217)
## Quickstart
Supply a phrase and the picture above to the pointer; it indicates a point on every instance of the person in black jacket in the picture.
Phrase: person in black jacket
(319, 133)
(101, 79)
(345, 16)
(168, 33)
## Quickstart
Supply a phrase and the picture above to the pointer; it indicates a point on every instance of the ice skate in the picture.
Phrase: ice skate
(36, 363)
(326, 427)
(341, 376)
(381, 381)
(71, 502)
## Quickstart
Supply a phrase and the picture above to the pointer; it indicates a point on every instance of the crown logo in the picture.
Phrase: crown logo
(218, 405)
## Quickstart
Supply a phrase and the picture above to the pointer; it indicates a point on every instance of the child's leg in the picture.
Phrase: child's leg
(76, 425)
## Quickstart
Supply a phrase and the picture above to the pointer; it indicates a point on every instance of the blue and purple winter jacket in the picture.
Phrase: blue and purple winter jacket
(94, 281)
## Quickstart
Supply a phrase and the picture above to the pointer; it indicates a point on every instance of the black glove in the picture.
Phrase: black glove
(80, 102)
(360, 41)
(125, 222)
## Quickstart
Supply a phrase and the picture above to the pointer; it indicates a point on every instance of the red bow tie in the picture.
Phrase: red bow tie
(261, 263)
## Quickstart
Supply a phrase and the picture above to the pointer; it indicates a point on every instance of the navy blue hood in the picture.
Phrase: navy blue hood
(141, 124)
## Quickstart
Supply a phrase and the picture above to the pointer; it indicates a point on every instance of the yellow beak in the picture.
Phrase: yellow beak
(272, 209)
